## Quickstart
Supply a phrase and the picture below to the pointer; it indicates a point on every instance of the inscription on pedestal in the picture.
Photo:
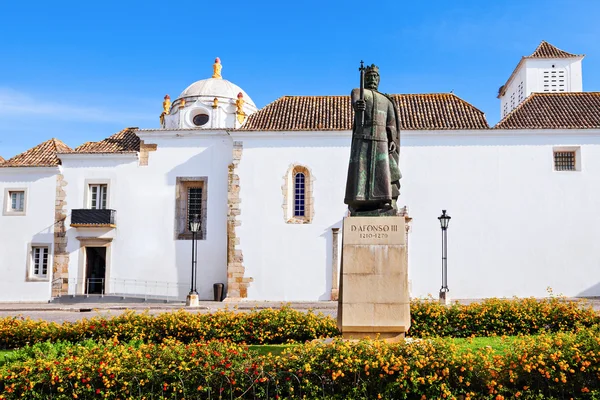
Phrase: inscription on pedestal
(370, 230)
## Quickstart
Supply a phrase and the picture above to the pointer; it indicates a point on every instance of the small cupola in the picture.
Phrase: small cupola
(213, 103)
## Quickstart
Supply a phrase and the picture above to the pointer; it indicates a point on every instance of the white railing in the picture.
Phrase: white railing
(126, 288)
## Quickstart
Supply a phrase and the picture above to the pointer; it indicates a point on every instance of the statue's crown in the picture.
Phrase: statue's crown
(372, 68)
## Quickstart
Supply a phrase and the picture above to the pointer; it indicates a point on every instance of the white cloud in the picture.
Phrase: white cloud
(15, 103)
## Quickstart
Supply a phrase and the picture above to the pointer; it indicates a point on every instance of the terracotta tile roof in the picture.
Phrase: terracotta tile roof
(546, 50)
(2, 159)
(323, 113)
(555, 111)
(42, 155)
(125, 141)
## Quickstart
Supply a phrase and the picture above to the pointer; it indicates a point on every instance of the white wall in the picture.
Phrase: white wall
(17, 232)
(517, 226)
(512, 98)
(290, 261)
(535, 68)
(144, 246)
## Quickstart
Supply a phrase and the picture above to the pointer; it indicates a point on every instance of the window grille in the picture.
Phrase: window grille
(194, 204)
(40, 261)
(299, 194)
(17, 201)
(564, 161)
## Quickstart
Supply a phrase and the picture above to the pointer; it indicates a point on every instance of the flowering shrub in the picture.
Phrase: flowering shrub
(547, 366)
(499, 317)
(285, 325)
(257, 327)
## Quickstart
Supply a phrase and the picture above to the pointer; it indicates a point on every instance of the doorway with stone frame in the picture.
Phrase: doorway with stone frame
(94, 267)
(95, 270)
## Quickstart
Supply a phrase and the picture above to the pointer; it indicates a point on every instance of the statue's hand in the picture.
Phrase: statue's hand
(360, 105)
(392, 147)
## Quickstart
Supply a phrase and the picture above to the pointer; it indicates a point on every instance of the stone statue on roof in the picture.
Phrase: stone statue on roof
(373, 183)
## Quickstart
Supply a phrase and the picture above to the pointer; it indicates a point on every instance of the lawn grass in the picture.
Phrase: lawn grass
(272, 349)
(498, 344)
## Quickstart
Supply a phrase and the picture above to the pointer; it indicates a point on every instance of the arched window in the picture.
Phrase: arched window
(299, 195)
(298, 204)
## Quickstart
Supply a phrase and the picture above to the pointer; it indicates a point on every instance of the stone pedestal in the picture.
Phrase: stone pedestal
(373, 295)
(192, 300)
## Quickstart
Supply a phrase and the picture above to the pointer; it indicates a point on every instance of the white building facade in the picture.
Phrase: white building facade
(112, 217)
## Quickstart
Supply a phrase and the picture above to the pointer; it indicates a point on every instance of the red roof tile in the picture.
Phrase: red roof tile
(323, 113)
(555, 111)
(42, 155)
(125, 141)
(546, 50)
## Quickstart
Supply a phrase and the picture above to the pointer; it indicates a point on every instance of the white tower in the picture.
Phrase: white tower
(547, 69)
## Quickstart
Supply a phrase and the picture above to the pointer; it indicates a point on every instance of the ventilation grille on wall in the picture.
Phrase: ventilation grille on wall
(554, 80)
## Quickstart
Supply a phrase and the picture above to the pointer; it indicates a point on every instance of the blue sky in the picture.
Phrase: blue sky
(80, 71)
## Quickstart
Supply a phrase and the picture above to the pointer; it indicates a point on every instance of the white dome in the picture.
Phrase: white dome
(215, 88)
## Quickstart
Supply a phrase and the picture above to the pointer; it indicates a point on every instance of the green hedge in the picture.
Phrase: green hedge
(500, 317)
(258, 327)
(491, 317)
(548, 366)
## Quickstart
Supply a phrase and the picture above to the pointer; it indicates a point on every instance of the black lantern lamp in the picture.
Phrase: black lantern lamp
(444, 222)
(195, 223)
(194, 228)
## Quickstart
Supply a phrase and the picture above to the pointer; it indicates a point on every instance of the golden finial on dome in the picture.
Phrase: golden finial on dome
(181, 103)
(215, 103)
(217, 69)
(239, 104)
(166, 108)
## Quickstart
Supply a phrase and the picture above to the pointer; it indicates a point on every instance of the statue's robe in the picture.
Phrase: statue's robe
(373, 172)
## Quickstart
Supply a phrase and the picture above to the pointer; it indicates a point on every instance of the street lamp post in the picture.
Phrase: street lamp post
(192, 298)
(444, 291)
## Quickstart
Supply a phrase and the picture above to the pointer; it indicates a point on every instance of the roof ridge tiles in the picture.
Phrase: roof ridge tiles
(41, 155)
(547, 50)
(425, 111)
(124, 141)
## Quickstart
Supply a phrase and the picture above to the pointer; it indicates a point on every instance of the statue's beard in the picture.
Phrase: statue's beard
(371, 85)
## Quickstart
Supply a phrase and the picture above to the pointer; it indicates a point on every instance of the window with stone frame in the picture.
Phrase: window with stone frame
(15, 202)
(38, 262)
(191, 199)
(299, 194)
(566, 158)
(298, 205)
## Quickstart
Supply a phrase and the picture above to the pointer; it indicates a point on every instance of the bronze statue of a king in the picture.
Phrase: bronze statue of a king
(373, 183)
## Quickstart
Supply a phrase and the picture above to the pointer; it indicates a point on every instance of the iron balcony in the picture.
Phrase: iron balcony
(93, 218)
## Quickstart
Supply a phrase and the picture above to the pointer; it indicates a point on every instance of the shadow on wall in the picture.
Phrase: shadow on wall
(592, 291)
(328, 236)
